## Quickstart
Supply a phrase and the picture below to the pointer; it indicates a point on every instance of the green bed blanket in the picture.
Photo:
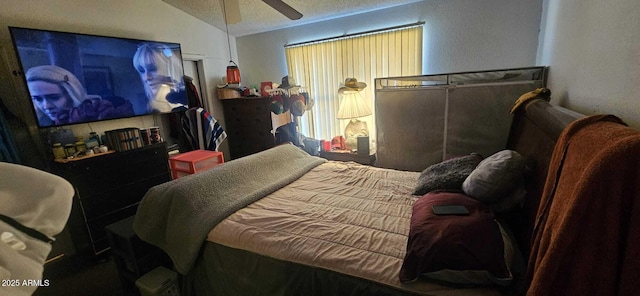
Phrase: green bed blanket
(177, 216)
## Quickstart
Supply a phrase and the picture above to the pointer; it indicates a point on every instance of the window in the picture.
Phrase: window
(322, 67)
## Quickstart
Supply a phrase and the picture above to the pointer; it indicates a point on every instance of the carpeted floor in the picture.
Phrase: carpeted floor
(72, 277)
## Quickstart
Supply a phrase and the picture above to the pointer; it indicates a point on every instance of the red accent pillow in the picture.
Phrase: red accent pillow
(461, 249)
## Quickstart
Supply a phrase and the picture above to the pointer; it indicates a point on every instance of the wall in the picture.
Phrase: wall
(593, 50)
(459, 35)
(139, 19)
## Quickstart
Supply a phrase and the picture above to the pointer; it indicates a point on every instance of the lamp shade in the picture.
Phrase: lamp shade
(353, 106)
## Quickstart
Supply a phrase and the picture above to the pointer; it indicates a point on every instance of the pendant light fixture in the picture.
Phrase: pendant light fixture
(233, 72)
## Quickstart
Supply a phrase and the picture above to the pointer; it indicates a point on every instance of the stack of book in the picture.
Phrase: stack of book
(124, 139)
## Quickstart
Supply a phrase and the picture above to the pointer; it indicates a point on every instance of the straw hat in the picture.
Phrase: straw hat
(352, 84)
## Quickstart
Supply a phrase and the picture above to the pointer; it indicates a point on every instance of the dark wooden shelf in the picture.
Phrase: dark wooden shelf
(248, 125)
(109, 189)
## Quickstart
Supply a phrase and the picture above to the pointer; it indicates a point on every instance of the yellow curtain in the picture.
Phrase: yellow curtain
(322, 67)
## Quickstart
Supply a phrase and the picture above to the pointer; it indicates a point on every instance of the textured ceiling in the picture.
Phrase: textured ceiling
(258, 17)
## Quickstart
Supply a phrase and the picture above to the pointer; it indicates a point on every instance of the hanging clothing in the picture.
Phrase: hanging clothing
(175, 118)
(192, 93)
(202, 131)
(8, 148)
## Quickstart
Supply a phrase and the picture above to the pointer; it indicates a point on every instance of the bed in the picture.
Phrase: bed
(281, 222)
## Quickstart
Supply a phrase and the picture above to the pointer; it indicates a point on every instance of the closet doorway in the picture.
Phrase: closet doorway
(193, 65)
(192, 68)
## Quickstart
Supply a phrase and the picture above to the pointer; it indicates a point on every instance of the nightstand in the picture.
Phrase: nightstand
(366, 159)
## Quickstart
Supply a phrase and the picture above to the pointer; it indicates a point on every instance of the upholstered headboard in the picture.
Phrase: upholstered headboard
(534, 131)
(423, 120)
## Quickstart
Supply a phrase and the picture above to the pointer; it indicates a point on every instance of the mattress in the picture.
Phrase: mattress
(341, 218)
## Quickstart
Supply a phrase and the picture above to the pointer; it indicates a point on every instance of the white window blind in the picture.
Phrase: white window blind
(323, 66)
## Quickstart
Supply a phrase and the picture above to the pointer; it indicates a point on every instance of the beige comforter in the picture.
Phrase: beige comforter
(344, 217)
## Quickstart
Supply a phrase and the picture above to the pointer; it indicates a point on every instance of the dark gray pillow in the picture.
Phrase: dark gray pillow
(515, 199)
(496, 177)
(448, 174)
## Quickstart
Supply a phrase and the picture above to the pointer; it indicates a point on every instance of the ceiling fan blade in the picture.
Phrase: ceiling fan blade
(232, 10)
(284, 8)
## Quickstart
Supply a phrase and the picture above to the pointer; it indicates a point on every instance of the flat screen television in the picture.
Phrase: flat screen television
(78, 78)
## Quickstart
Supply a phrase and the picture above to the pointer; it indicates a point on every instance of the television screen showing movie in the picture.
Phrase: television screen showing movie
(77, 78)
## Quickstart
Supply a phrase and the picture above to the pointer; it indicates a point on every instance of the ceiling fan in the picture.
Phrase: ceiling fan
(231, 9)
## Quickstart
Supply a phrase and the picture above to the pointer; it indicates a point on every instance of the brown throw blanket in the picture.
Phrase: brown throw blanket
(587, 232)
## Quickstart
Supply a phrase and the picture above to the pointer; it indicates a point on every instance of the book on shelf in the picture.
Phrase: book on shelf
(124, 139)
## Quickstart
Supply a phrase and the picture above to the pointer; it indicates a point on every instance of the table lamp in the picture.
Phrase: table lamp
(352, 107)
